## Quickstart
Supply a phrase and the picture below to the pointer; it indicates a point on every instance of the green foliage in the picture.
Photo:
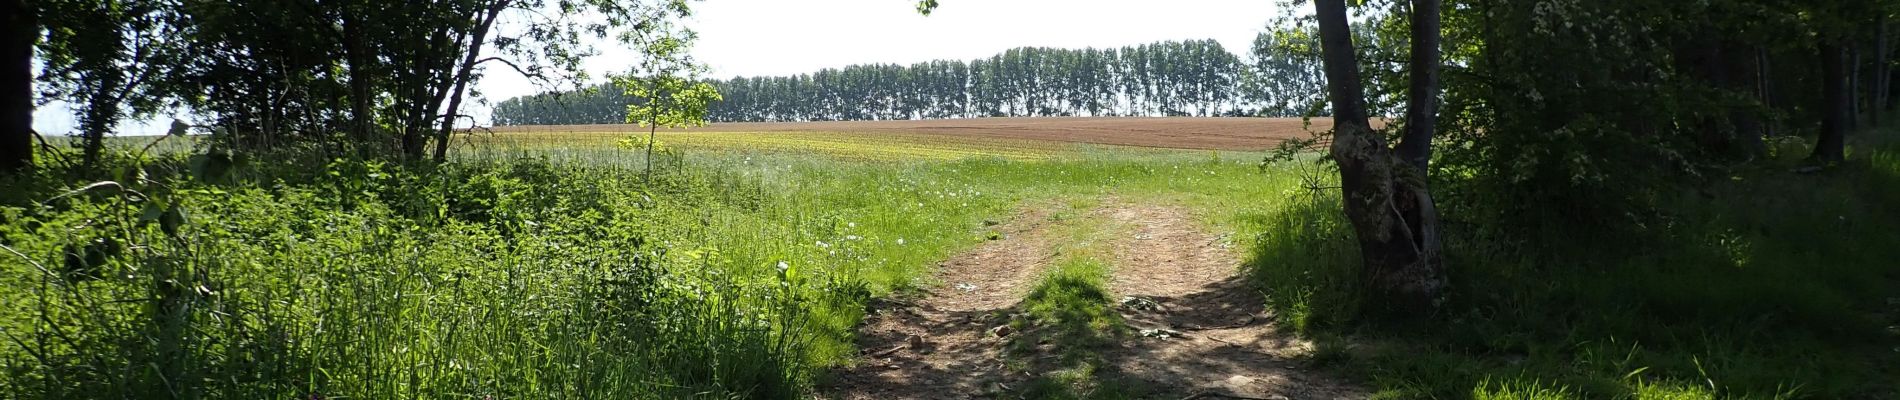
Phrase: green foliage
(670, 102)
(370, 75)
(351, 288)
(1286, 75)
(1732, 297)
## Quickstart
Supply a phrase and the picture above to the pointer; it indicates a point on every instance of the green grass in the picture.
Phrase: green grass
(731, 274)
(738, 272)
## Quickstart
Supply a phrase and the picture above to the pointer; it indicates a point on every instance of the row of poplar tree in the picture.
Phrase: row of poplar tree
(1171, 78)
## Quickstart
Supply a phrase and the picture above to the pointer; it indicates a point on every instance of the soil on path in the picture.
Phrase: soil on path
(938, 346)
(1202, 329)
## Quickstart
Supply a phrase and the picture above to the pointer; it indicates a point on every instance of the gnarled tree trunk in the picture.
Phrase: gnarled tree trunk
(1385, 195)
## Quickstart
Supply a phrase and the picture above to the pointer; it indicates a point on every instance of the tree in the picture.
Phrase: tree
(1830, 146)
(1385, 196)
(664, 82)
(1837, 27)
(16, 84)
(113, 59)
(1421, 116)
(389, 76)
(1286, 76)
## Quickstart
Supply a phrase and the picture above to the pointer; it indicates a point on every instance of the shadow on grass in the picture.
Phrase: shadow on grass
(1770, 285)
(1068, 325)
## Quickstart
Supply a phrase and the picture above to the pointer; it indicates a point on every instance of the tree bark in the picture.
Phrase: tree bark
(1853, 86)
(1883, 74)
(1742, 74)
(101, 114)
(462, 76)
(1421, 116)
(16, 85)
(358, 54)
(1766, 89)
(1830, 147)
(1384, 197)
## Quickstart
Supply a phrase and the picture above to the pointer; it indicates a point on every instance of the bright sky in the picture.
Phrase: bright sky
(784, 37)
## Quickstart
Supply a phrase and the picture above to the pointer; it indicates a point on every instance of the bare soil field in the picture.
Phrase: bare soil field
(1175, 132)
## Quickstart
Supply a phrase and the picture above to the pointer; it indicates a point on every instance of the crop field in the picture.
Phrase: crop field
(842, 145)
(1234, 134)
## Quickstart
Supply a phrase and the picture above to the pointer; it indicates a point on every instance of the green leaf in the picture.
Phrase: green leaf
(171, 220)
(211, 166)
(153, 211)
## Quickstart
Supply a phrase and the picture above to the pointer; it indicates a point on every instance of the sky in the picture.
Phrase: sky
(786, 37)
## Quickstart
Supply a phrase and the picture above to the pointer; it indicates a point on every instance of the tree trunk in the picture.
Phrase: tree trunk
(653, 134)
(1853, 86)
(16, 85)
(1743, 75)
(101, 114)
(1766, 89)
(1384, 197)
(462, 76)
(1421, 115)
(359, 58)
(1883, 74)
(1830, 147)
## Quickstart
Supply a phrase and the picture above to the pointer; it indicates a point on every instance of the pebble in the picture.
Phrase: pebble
(1001, 331)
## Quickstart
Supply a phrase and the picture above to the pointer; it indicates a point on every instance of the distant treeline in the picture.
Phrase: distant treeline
(1172, 78)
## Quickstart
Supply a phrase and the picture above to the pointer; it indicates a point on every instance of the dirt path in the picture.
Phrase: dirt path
(939, 346)
(1203, 327)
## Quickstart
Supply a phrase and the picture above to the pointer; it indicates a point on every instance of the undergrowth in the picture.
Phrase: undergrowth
(1770, 284)
(196, 274)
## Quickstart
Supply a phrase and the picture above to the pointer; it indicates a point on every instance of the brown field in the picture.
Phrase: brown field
(1246, 134)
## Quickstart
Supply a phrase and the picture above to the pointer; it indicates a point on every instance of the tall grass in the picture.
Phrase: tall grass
(733, 274)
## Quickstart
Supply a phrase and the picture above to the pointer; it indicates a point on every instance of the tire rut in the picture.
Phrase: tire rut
(938, 346)
(1203, 328)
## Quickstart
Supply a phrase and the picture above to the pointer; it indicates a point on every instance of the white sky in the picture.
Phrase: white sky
(784, 37)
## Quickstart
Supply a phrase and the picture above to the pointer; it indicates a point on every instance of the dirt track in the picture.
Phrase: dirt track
(1227, 346)
(1180, 133)
(1219, 344)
